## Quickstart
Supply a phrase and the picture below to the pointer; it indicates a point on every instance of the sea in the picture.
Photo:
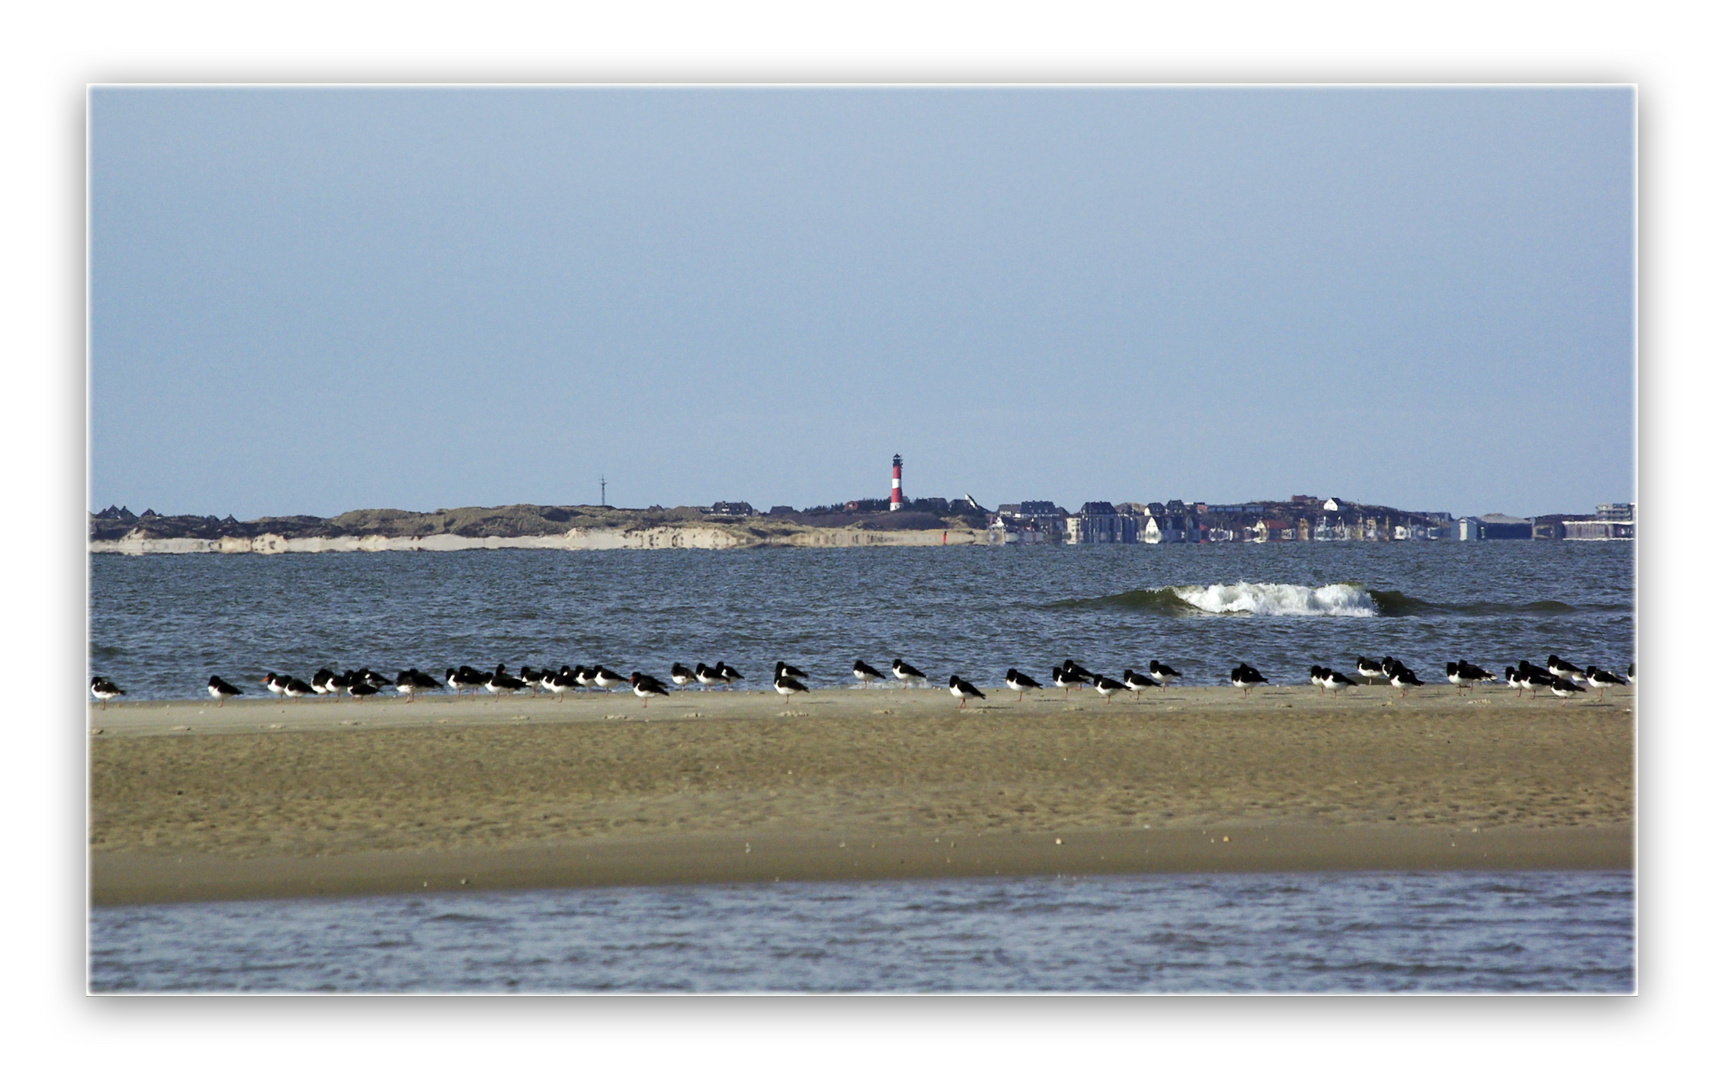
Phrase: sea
(160, 625)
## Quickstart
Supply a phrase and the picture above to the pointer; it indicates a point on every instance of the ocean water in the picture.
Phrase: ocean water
(161, 625)
(1216, 933)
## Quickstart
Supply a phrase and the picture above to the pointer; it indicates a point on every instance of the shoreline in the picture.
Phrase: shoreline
(777, 856)
(651, 538)
(267, 798)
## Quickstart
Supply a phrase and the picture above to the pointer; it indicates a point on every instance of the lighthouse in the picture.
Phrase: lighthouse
(897, 482)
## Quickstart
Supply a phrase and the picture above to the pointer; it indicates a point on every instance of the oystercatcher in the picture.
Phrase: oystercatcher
(707, 677)
(1403, 679)
(1107, 687)
(1371, 670)
(1598, 679)
(563, 681)
(1017, 680)
(297, 688)
(1136, 683)
(1065, 680)
(786, 686)
(604, 678)
(104, 690)
(728, 673)
(1072, 667)
(584, 677)
(865, 673)
(221, 689)
(681, 674)
(530, 679)
(360, 688)
(1562, 669)
(646, 686)
(781, 668)
(963, 691)
(501, 682)
(1516, 680)
(1463, 674)
(320, 682)
(1317, 671)
(465, 678)
(1162, 674)
(905, 673)
(1333, 680)
(1245, 677)
(275, 684)
(1564, 689)
(411, 681)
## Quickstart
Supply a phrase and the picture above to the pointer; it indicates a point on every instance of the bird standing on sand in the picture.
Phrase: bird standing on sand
(708, 677)
(1564, 689)
(604, 678)
(1370, 670)
(221, 689)
(275, 684)
(728, 674)
(865, 673)
(781, 668)
(1107, 687)
(1162, 674)
(1017, 680)
(681, 674)
(297, 688)
(785, 685)
(963, 691)
(1245, 677)
(906, 674)
(501, 682)
(646, 686)
(1136, 683)
(104, 690)
(1562, 669)
(1463, 674)
(1403, 679)
(1598, 679)
(411, 681)
(1334, 680)
(1065, 680)
(1072, 667)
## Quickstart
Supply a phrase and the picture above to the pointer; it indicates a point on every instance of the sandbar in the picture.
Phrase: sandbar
(265, 798)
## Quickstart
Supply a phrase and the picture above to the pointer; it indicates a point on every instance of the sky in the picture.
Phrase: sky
(316, 300)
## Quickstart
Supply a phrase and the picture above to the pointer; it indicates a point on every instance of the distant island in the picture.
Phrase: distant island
(861, 522)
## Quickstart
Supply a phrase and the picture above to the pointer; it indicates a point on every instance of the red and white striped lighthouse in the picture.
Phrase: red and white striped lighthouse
(897, 482)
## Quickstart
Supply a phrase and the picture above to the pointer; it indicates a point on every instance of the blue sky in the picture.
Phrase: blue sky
(307, 301)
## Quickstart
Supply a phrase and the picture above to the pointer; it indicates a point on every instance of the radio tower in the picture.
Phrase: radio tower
(897, 482)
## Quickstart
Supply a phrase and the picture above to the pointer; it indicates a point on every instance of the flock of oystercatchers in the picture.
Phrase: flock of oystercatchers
(1563, 679)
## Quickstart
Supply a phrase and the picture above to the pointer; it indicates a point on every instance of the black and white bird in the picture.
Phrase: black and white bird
(501, 682)
(1162, 673)
(1072, 667)
(564, 681)
(221, 689)
(467, 678)
(906, 674)
(1017, 680)
(785, 685)
(1317, 671)
(320, 682)
(645, 686)
(1065, 680)
(359, 687)
(1631, 671)
(1515, 679)
(531, 677)
(963, 691)
(1371, 670)
(1598, 679)
(1562, 669)
(1403, 679)
(604, 678)
(1107, 687)
(1333, 680)
(1464, 675)
(104, 690)
(781, 668)
(1564, 689)
(864, 673)
(681, 674)
(275, 684)
(708, 677)
(584, 677)
(1136, 683)
(297, 688)
(729, 674)
(1245, 677)
(411, 681)
(1534, 677)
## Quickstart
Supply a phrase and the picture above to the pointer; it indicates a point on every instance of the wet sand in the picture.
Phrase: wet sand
(263, 798)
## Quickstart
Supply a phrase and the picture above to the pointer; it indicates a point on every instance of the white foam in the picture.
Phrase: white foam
(1270, 598)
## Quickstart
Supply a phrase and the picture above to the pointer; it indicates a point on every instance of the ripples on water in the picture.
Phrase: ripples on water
(161, 625)
(1277, 933)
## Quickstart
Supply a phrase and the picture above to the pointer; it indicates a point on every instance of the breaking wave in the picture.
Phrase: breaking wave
(1343, 599)
(1243, 598)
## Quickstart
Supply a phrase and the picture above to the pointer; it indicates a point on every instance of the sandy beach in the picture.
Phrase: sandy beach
(265, 798)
